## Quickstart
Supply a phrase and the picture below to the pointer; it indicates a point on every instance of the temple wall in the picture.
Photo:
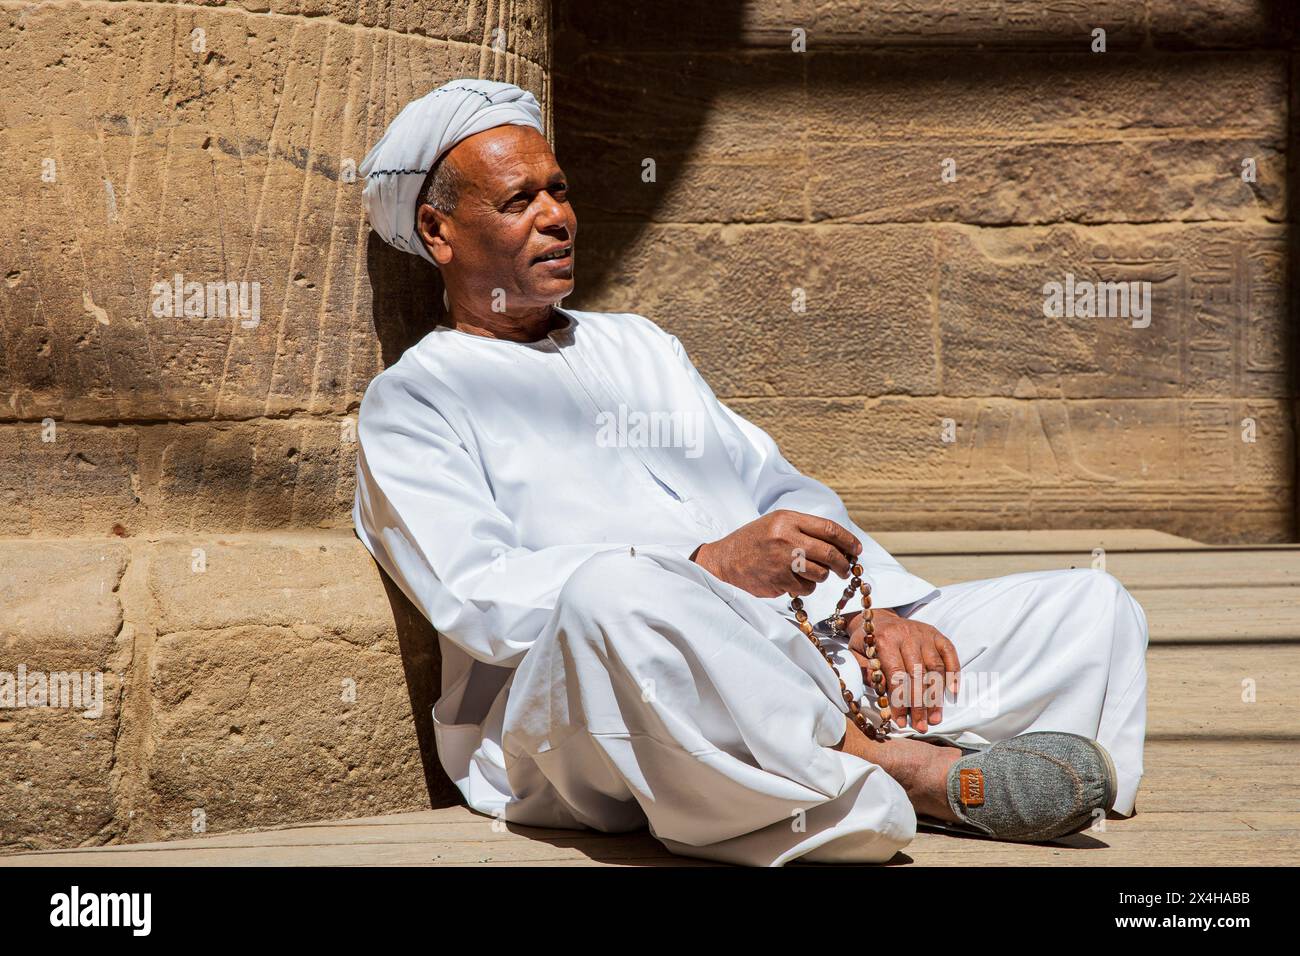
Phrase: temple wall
(176, 483)
(852, 242)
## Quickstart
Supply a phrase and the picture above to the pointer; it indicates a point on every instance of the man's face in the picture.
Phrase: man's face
(512, 209)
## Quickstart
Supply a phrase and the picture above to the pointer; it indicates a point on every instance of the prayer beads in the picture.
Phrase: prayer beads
(875, 677)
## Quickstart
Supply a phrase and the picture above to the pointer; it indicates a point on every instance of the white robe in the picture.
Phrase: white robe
(504, 485)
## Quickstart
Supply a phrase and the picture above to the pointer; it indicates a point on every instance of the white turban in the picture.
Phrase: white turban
(426, 128)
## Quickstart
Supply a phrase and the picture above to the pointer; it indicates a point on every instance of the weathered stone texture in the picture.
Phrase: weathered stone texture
(217, 141)
(146, 479)
(255, 679)
(727, 25)
(800, 236)
(259, 725)
(292, 582)
(844, 136)
(60, 613)
(148, 140)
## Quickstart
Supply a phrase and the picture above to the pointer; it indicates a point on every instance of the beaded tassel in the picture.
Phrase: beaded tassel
(876, 677)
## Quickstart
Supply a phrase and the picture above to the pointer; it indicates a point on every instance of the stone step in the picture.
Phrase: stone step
(900, 543)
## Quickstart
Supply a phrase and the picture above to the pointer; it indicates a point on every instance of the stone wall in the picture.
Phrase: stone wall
(165, 477)
(922, 379)
(147, 140)
(246, 680)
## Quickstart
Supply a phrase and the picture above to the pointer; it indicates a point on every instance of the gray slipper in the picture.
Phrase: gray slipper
(1025, 789)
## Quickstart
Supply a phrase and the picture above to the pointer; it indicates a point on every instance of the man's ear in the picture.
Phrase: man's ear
(432, 227)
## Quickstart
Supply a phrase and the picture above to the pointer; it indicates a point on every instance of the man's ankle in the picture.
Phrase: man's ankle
(920, 768)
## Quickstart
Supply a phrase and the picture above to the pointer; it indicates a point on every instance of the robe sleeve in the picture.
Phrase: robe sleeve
(775, 484)
(425, 511)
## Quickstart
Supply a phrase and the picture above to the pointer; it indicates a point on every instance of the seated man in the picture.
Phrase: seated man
(618, 645)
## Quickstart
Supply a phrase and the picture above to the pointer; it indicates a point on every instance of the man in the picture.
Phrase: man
(612, 599)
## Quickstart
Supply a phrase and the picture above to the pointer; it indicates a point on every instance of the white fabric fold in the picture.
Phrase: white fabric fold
(553, 558)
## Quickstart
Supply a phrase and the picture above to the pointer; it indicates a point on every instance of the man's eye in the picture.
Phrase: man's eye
(523, 201)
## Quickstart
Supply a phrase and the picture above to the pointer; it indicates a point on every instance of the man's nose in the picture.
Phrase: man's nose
(553, 215)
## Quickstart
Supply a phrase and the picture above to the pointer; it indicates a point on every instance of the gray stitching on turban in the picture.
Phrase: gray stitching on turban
(426, 128)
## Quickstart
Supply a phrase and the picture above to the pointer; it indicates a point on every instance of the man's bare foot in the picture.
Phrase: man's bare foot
(920, 768)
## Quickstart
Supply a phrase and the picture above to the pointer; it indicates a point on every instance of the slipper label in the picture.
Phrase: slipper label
(972, 787)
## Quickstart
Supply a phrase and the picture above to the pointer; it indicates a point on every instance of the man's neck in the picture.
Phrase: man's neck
(531, 326)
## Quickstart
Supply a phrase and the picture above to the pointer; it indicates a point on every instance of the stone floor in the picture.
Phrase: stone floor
(1222, 782)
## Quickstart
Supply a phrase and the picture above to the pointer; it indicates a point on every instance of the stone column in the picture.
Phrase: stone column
(191, 308)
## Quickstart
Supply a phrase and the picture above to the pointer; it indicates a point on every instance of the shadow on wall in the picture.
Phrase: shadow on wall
(417, 642)
(406, 297)
(645, 80)
(1287, 17)
(611, 113)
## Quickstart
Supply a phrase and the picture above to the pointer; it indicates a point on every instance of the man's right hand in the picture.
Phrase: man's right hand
(784, 552)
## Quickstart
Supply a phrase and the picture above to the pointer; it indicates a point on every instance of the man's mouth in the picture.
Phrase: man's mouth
(557, 254)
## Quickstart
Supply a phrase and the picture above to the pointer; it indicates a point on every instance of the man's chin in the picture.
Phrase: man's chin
(552, 291)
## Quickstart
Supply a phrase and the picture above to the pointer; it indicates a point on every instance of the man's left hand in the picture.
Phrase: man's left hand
(918, 663)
